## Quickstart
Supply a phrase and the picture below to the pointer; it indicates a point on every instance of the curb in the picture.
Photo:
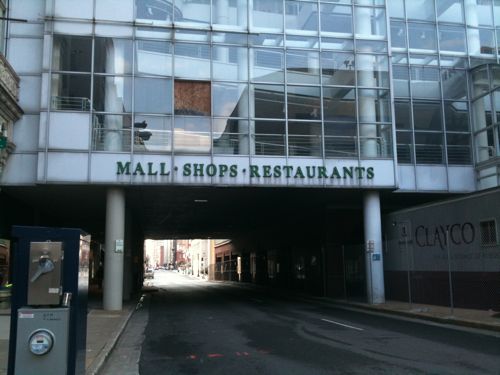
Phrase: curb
(97, 364)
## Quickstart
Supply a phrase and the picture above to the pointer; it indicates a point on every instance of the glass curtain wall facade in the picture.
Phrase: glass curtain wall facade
(225, 77)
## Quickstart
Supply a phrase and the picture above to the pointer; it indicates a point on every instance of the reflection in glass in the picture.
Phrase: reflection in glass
(336, 18)
(402, 114)
(429, 148)
(192, 12)
(301, 16)
(230, 136)
(401, 80)
(451, 11)
(302, 67)
(481, 41)
(192, 98)
(375, 140)
(268, 65)
(230, 63)
(339, 104)
(269, 101)
(427, 115)
(374, 105)
(111, 132)
(160, 11)
(192, 60)
(304, 139)
(153, 57)
(484, 142)
(337, 44)
(153, 95)
(456, 116)
(70, 92)
(458, 148)
(268, 14)
(152, 133)
(422, 36)
(302, 41)
(425, 82)
(113, 56)
(337, 68)
(230, 13)
(230, 99)
(404, 147)
(480, 82)
(370, 22)
(372, 70)
(454, 84)
(422, 10)
(71, 53)
(451, 39)
(482, 112)
(269, 138)
(396, 8)
(479, 13)
(341, 140)
(192, 134)
(304, 102)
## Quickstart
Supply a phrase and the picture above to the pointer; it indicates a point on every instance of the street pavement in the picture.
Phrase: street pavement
(191, 326)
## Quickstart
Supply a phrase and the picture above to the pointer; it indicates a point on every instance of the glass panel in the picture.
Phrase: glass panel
(266, 40)
(192, 12)
(192, 98)
(230, 136)
(375, 140)
(192, 35)
(453, 62)
(158, 12)
(115, 10)
(153, 32)
(192, 134)
(230, 63)
(451, 39)
(374, 105)
(304, 102)
(425, 82)
(396, 8)
(338, 44)
(429, 148)
(111, 132)
(404, 147)
(337, 68)
(230, 13)
(269, 101)
(456, 116)
(336, 18)
(371, 46)
(301, 16)
(480, 82)
(479, 13)
(113, 56)
(481, 41)
(454, 84)
(153, 57)
(485, 145)
(304, 139)
(302, 67)
(458, 148)
(422, 36)
(341, 140)
(401, 80)
(339, 104)
(71, 92)
(302, 41)
(230, 99)
(72, 53)
(230, 38)
(192, 60)
(422, 10)
(427, 60)
(398, 34)
(370, 22)
(495, 75)
(402, 115)
(496, 103)
(113, 94)
(152, 134)
(270, 137)
(268, 65)
(450, 11)
(482, 112)
(268, 15)
(373, 70)
(153, 95)
(427, 115)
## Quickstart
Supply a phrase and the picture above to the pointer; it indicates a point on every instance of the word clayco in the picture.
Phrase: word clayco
(254, 171)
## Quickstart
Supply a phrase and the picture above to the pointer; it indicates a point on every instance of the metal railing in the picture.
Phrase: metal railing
(71, 103)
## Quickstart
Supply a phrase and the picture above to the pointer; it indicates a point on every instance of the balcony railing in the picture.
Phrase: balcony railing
(71, 103)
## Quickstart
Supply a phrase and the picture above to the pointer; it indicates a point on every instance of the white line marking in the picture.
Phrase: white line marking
(343, 325)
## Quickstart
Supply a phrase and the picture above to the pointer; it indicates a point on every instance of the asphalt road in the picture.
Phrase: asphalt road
(196, 327)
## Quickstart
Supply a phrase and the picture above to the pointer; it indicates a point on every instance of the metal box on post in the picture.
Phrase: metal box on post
(49, 264)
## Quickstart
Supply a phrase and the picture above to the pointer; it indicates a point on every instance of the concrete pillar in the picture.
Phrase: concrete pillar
(127, 258)
(373, 248)
(471, 18)
(113, 260)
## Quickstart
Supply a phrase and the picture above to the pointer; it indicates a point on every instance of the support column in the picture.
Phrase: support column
(113, 260)
(127, 258)
(373, 248)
